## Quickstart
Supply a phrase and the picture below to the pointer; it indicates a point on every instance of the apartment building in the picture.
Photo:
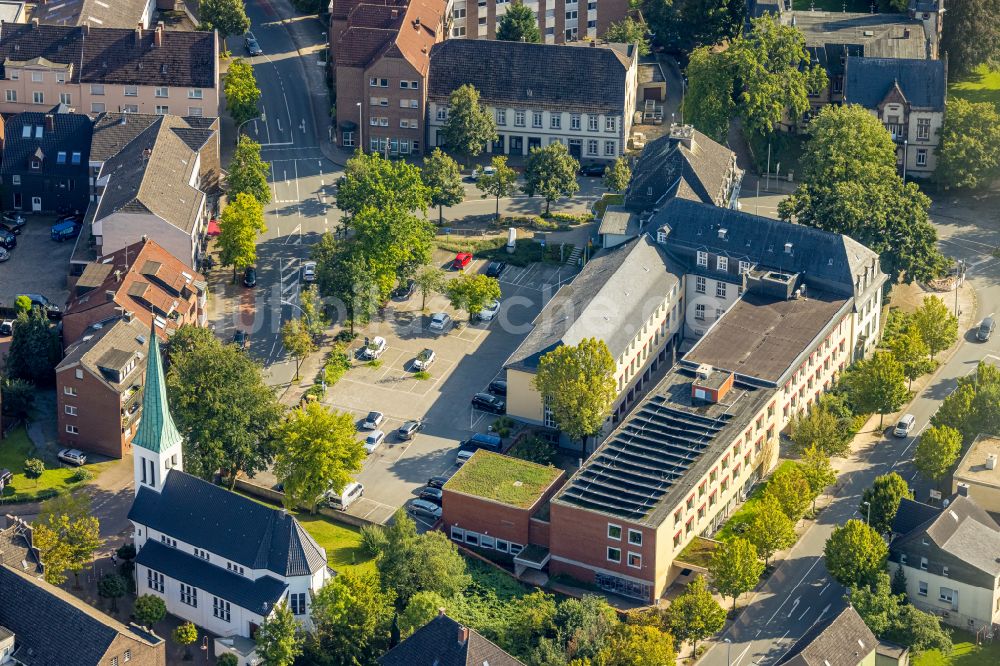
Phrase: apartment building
(558, 20)
(534, 105)
(96, 69)
(908, 97)
(99, 387)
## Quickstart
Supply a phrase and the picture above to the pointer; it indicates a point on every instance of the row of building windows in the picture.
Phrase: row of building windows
(485, 541)
(38, 97)
(126, 657)
(615, 534)
(377, 82)
(537, 120)
(634, 560)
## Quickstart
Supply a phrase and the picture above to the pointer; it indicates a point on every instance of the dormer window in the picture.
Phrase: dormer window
(76, 158)
(36, 164)
(61, 157)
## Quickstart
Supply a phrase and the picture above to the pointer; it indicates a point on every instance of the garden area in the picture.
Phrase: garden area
(342, 543)
(17, 450)
(964, 652)
(983, 86)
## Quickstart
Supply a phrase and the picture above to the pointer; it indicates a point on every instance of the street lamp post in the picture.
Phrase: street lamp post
(906, 143)
(729, 651)
(361, 131)
(261, 118)
(868, 518)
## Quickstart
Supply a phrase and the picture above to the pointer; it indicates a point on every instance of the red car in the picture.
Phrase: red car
(462, 259)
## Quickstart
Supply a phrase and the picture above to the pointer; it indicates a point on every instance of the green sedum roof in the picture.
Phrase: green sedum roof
(157, 431)
(503, 479)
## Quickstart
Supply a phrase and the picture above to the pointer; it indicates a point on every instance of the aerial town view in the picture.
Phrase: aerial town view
(499, 332)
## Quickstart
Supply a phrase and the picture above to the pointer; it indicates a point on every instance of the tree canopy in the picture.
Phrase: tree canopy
(735, 568)
(821, 428)
(241, 91)
(66, 543)
(34, 348)
(684, 25)
(617, 175)
(937, 452)
(971, 35)
(248, 172)
(443, 179)
(472, 292)
(695, 614)
(770, 529)
(518, 24)
(371, 181)
(353, 615)
(968, 156)
(880, 502)
(501, 183)
(937, 324)
(629, 31)
(241, 223)
(708, 100)
(551, 173)
(855, 554)
(790, 487)
(279, 640)
(578, 384)
(974, 406)
(229, 17)
(892, 618)
(470, 125)
(877, 384)
(414, 562)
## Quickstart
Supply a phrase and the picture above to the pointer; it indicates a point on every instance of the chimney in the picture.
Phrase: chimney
(788, 248)
(158, 37)
(127, 316)
(463, 635)
(416, 23)
(138, 34)
(109, 295)
(34, 22)
(991, 461)
(395, 13)
(50, 122)
(963, 489)
(441, 611)
(118, 275)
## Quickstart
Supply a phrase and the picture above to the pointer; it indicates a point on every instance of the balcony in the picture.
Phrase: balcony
(898, 131)
(131, 396)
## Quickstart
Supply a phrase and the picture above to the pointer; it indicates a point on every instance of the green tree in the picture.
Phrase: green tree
(528, 618)
(898, 584)
(695, 614)
(278, 639)
(318, 452)
(371, 181)
(968, 155)
(472, 292)
(22, 304)
(470, 125)
(501, 183)
(223, 408)
(429, 279)
(248, 173)
(637, 645)
(414, 562)
(877, 604)
(855, 554)
(422, 608)
(817, 470)
(242, 94)
(708, 99)
(937, 325)
(618, 174)
(443, 179)
(33, 469)
(113, 587)
(34, 348)
(311, 305)
(877, 384)
(629, 31)
(790, 487)
(847, 143)
(342, 273)
(684, 25)
(518, 24)
(971, 36)
(583, 626)
(919, 631)
(770, 530)
(241, 223)
(392, 243)
(937, 452)
(820, 428)
(578, 385)
(149, 609)
(229, 17)
(890, 617)
(881, 500)
(17, 397)
(735, 568)
(227, 659)
(353, 617)
(912, 352)
(551, 173)
(974, 406)
(185, 635)
(66, 544)
(297, 341)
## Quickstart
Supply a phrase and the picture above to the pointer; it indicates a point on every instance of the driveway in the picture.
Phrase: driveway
(38, 265)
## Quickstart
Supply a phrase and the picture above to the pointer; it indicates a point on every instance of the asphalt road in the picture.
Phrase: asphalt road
(800, 590)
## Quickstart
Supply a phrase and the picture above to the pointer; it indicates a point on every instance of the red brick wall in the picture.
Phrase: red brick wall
(486, 517)
(538, 532)
(98, 416)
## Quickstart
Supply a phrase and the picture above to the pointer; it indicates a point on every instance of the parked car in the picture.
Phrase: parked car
(8, 241)
(373, 348)
(437, 481)
(65, 230)
(432, 495)
(309, 271)
(424, 508)
(489, 403)
(39, 301)
(424, 360)
(498, 387)
(4, 254)
(905, 425)
(253, 48)
(12, 223)
(7, 327)
(250, 277)
(593, 170)
(404, 290)
(440, 321)
(351, 493)
(241, 339)
(479, 172)
(373, 420)
(483, 440)
(73, 457)
(461, 260)
(463, 457)
(985, 330)
(407, 431)
(489, 311)
(496, 268)
(373, 441)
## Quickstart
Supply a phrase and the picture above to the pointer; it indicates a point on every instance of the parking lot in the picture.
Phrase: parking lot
(38, 264)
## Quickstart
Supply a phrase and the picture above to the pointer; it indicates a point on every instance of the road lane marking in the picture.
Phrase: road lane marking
(804, 613)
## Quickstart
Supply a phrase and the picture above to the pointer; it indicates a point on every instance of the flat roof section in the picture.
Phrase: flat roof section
(762, 337)
(972, 466)
(503, 479)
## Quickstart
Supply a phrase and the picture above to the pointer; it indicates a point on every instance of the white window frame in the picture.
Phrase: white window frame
(131, 91)
(612, 549)
(610, 124)
(638, 556)
(196, 93)
(162, 92)
(700, 284)
(617, 527)
(221, 609)
(922, 588)
(72, 430)
(70, 410)
(632, 533)
(37, 77)
(65, 98)
(721, 263)
(721, 289)
(69, 390)
(702, 258)
(744, 267)
(38, 97)
(11, 95)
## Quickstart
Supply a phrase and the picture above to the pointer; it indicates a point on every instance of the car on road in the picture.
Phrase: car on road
(592, 170)
(73, 457)
(373, 348)
(432, 495)
(12, 222)
(496, 268)
(39, 301)
(985, 330)
(351, 493)
(437, 481)
(373, 441)
(4, 254)
(425, 509)
(489, 311)
(309, 271)
(8, 241)
(404, 290)
(440, 321)
(479, 172)
(253, 48)
(65, 230)
(424, 360)
(373, 420)
(408, 430)
(488, 402)
(7, 327)
(250, 277)
(498, 387)
(461, 260)
(905, 425)
(463, 457)
(241, 339)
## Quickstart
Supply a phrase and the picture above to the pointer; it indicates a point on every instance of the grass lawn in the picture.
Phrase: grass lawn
(503, 479)
(698, 552)
(342, 543)
(965, 653)
(737, 523)
(983, 86)
(607, 200)
(54, 480)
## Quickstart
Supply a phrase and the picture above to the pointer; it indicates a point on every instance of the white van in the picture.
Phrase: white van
(905, 425)
(352, 493)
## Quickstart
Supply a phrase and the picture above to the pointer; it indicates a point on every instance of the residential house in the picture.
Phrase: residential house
(143, 279)
(908, 97)
(558, 21)
(444, 642)
(99, 387)
(536, 106)
(949, 557)
(96, 69)
(44, 166)
(839, 637)
(216, 558)
(120, 14)
(978, 475)
(380, 55)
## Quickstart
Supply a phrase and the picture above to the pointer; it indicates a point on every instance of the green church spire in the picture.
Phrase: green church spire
(157, 431)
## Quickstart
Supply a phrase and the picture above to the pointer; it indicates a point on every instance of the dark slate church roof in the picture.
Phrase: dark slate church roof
(230, 525)
(869, 80)
(439, 643)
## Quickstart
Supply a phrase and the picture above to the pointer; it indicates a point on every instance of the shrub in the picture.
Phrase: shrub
(375, 363)
(314, 392)
(534, 449)
(373, 540)
(345, 336)
(81, 474)
(336, 364)
(421, 374)
(502, 426)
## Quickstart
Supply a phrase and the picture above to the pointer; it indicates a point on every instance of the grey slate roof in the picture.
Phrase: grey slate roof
(550, 76)
(71, 134)
(912, 514)
(58, 628)
(223, 522)
(963, 530)
(922, 82)
(120, 14)
(113, 132)
(113, 55)
(619, 221)
(873, 35)
(258, 595)
(623, 285)
(128, 339)
(839, 638)
(437, 644)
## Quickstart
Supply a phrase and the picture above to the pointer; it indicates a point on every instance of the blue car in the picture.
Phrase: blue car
(65, 230)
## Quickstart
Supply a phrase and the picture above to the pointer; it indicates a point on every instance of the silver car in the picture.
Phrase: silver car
(440, 321)
(426, 509)
(73, 457)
